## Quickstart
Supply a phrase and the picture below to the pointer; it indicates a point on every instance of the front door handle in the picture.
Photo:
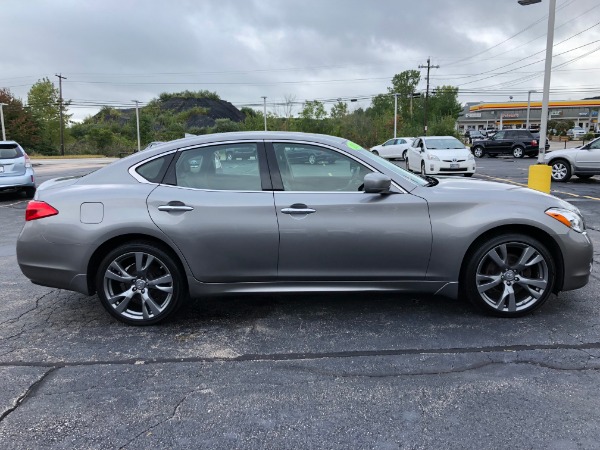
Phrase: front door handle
(298, 208)
(175, 208)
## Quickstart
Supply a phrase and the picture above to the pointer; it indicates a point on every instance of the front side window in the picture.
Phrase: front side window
(499, 135)
(306, 167)
(212, 168)
(595, 145)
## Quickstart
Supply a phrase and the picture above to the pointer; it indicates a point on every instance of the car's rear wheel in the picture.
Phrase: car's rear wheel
(478, 152)
(140, 284)
(29, 192)
(517, 152)
(561, 170)
(510, 275)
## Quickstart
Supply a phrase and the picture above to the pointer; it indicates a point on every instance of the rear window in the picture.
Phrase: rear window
(10, 151)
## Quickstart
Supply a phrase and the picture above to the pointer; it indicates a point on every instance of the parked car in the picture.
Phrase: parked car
(474, 135)
(133, 233)
(16, 171)
(393, 148)
(576, 132)
(517, 143)
(584, 161)
(443, 155)
(241, 152)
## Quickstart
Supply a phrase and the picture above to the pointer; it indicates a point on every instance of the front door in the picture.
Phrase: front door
(330, 230)
(216, 212)
(588, 159)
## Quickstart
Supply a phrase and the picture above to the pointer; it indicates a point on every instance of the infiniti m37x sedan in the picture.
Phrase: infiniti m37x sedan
(181, 220)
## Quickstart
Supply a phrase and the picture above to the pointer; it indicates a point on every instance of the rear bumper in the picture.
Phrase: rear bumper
(17, 181)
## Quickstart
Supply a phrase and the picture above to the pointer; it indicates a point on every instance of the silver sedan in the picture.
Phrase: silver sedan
(181, 220)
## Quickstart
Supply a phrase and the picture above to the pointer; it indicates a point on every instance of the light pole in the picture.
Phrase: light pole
(395, 114)
(540, 174)
(265, 110)
(137, 120)
(2, 120)
(528, 107)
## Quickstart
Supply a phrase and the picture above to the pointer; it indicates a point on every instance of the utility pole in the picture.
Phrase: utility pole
(2, 120)
(395, 114)
(265, 110)
(60, 101)
(137, 120)
(428, 67)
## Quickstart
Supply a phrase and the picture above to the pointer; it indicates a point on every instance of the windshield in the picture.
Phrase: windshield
(416, 179)
(443, 144)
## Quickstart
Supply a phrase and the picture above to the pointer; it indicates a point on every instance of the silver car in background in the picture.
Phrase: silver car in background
(583, 162)
(152, 229)
(16, 171)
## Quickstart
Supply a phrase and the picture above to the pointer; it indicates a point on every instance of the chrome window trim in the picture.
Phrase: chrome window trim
(137, 176)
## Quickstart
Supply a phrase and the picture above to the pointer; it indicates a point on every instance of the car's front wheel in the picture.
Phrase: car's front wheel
(561, 170)
(423, 171)
(140, 284)
(375, 152)
(407, 164)
(404, 155)
(478, 152)
(509, 275)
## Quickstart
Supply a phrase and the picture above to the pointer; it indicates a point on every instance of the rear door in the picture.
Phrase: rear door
(330, 230)
(220, 213)
(12, 160)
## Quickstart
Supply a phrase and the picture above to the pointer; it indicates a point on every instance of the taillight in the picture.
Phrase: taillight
(38, 210)
(27, 161)
(534, 142)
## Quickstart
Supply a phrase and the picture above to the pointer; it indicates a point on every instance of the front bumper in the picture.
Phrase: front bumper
(578, 254)
(448, 168)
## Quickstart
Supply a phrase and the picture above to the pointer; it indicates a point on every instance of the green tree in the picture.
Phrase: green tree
(311, 117)
(44, 103)
(339, 110)
(18, 122)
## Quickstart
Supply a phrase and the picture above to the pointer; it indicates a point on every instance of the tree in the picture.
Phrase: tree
(339, 110)
(43, 100)
(18, 122)
(311, 117)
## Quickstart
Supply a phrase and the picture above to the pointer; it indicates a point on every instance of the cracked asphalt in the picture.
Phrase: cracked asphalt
(298, 371)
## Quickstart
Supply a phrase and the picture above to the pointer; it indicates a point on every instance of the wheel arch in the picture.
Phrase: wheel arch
(116, 241)
(527, 230)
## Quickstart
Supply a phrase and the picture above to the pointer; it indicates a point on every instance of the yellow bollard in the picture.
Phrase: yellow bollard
(540, 176)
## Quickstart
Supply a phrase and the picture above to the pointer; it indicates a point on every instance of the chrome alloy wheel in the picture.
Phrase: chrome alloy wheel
(559, 171)
(138, 286)
(512, 276)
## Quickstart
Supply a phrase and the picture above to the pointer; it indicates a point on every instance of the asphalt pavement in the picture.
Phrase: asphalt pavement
(298, 371)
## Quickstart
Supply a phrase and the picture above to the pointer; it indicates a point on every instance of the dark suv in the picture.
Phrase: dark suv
(517, 143)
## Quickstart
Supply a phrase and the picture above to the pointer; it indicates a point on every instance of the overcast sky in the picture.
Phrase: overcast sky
(115, 51)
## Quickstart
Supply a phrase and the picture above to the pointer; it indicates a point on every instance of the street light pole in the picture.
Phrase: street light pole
(137, 120)
(528, 107)
(395, 114)
(2, 120)
(265, 110)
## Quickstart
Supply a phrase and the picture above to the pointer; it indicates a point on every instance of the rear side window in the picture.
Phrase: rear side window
(10, 151)
(154, 170)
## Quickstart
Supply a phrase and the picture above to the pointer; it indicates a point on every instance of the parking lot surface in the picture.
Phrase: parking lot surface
(299, 371)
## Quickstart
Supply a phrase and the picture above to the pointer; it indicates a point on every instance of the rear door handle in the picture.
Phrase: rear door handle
(298, 208)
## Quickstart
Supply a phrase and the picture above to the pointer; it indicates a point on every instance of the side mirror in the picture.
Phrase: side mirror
(377, 183)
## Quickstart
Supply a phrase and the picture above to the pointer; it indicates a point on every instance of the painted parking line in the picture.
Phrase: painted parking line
(553, 191)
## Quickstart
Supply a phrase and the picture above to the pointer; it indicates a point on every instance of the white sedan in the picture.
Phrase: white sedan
(440, 155)
(393, 148)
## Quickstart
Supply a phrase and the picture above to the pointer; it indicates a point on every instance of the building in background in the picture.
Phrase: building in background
(481, 116)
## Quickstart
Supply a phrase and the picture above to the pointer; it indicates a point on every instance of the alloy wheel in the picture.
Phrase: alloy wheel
(560, 171)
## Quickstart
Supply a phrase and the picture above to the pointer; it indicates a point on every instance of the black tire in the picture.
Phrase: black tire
(406, 164)
(561, 170)
(423, 171)
(29, 192)
(518, 152)
(375, 152)
(478, 152)
(121, 272)
(514, 288)
(468, 175)
(492, 155)
(585, 176)
(404, 155)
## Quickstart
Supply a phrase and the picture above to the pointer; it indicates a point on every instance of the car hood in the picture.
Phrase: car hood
(478, 191)
(566, 152)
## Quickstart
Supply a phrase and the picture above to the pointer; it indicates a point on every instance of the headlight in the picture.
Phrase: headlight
(432, 157)
(568, 218)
